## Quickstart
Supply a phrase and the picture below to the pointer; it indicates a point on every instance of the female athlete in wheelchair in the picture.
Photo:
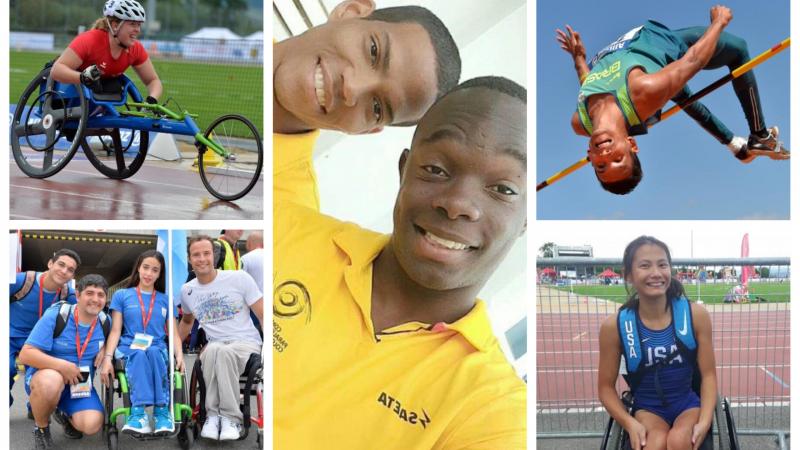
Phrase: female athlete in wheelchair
(84, 100)
(665, 342)
(136, 354)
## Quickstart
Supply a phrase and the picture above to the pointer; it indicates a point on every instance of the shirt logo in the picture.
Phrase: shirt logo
(410, 417)
(291, 299)
(685, 328)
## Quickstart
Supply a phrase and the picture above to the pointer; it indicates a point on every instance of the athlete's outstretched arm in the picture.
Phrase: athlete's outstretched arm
(607, 373)
(653, 91)
(708, 372)
(572, 43)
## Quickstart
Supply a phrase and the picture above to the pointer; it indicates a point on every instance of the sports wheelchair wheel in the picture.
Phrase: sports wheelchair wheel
(47, 126)
(111, 153)
(233, 177)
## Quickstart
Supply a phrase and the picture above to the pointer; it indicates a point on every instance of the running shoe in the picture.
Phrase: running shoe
(42, 439)
(138, 422)
(211, 428)
(229, 429)
(768, 143)
(163, 421)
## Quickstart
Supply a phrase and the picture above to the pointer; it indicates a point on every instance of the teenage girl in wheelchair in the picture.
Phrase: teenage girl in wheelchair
(136, 355)
(666, 343)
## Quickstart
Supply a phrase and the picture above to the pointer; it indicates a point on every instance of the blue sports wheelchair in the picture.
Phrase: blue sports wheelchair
(111, 123)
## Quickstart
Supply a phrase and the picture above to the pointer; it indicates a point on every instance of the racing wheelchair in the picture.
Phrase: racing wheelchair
(112, 125)
(185, 429)
(251, 383)
(721, 436)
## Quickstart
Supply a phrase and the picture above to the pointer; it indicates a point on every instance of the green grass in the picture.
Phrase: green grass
(207, 89)
(709, 293)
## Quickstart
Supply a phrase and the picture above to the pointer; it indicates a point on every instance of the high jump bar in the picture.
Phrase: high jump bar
(739, 71)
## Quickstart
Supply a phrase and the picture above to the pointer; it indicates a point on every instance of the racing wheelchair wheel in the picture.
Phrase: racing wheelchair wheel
(47, 126)
(231, 178)
(114, 157)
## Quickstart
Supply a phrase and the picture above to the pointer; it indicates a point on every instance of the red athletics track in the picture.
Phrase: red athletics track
(751, 349)
(158, 190)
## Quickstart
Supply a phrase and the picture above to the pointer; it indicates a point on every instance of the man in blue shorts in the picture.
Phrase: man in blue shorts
(62, 368)
(31, 294)
(625, 85)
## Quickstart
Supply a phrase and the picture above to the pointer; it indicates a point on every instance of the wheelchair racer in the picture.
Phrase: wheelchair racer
(108, 49)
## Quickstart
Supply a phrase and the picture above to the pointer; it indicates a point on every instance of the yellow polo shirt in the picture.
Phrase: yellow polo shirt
(339, 384)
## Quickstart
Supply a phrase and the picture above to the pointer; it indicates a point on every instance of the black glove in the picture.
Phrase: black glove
(151, 100)
(90, 75)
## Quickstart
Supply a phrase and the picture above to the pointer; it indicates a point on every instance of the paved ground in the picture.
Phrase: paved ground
(21, 436)
(160, 190)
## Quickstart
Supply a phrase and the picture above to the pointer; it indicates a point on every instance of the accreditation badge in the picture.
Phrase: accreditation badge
(141, 341)
(84, 388)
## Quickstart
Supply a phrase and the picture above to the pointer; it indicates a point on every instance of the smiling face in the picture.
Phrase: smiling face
(356, 75)
(149, 270)
(611, 155)
(128, 32)
(201, 257)
(92, 299)
(461, 204)
(62, 270)
(650, 273)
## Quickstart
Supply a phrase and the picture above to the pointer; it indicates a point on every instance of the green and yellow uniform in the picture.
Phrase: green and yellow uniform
(650, 47)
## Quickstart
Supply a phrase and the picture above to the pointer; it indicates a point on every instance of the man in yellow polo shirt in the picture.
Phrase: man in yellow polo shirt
(379, 341)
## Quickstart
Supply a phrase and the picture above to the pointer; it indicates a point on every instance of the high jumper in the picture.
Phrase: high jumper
(657, 63)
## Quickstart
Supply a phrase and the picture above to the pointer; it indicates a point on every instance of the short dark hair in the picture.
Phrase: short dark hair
(67, 252)
(625, 186)
(92, 279)
(499, 84)
(198, 238)
(161, 283)
(448, 59)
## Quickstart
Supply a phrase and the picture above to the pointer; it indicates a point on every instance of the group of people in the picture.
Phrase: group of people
(64, 337)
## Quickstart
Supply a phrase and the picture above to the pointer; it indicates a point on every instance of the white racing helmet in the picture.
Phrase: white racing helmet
(124, 10)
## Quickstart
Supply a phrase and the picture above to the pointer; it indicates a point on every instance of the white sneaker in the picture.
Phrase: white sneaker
(230, 430)
(211, 428)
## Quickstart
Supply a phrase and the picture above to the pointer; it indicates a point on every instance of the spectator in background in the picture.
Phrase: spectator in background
(231, 259)
(253, 260)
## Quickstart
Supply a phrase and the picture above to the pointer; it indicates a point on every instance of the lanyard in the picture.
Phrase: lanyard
(141, 303)
(41, 293)
(78, 348)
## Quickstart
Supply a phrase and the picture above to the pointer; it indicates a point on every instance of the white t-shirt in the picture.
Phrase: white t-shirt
(223, 306)
(253, 263)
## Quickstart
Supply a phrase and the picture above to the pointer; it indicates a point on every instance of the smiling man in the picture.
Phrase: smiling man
(61, 351)
(625, 85)
(379, 341)
(32, 293)
(221, 300)
(362, 70)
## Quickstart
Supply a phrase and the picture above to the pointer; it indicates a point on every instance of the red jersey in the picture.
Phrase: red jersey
(92, 47)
